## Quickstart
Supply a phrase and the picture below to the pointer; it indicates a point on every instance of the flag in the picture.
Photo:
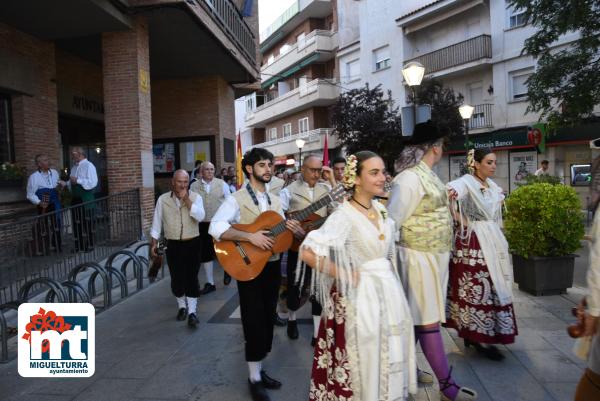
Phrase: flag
(325, 152)
(239, 173)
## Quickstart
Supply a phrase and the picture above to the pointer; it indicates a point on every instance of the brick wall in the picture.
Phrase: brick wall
(78, 74)
(35, 120)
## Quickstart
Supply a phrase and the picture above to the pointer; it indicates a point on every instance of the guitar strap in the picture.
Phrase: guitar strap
(254, 198)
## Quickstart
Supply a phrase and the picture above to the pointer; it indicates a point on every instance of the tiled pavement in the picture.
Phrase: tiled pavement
(144, 354)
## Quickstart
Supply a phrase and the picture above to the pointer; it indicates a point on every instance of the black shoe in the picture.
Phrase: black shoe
(193, 320)
(292, 329)
(258, 391)
(490, 352)
(208, 288)
(181, 314)
(313, 342)
(277, 321)
(268, 381)
(226, 278)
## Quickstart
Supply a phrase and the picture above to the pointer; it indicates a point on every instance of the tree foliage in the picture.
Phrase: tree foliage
(366, 119)
(444, 105)
(566, 84)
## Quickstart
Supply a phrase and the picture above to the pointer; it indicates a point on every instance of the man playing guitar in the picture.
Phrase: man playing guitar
(258, 296)
(297, 196)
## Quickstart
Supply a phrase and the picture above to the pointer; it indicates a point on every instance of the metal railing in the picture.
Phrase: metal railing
(481, 117)
(226, 14)
(52, 244)
(309, 136)
(457, 54)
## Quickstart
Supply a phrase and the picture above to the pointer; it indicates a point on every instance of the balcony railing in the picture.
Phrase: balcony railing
(482, 117)
(474, 49)
(308, 136)
(226, 14)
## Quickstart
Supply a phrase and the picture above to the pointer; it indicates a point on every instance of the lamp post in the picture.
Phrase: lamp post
(466, 111)
(300, 143)
(413, 73)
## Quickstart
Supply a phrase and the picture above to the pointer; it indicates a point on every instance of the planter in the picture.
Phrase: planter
(14, 183)
(544, 275)
(11, 193)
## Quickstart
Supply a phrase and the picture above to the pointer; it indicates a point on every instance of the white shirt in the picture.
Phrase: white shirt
(541, 171)
(405, 196)
(39, 180)
(197, 212)
(226, 189)
(229, 213)
(86, 174)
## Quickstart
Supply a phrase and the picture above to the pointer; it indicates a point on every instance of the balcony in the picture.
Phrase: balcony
(315, 139)
(482, 117)
(470, 51)
(318, 46)
(318, 92)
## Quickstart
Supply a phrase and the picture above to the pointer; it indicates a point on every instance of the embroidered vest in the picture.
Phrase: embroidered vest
(177, 222)
(300, 197)
(276, 185)
(211, 200)
(249, 211)
(429, 228)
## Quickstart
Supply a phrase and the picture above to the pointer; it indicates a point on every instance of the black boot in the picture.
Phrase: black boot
(292, 329)
(268, 381)
(258, 391)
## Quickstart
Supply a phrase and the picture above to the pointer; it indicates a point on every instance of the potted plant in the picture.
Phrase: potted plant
(543, 226)
(11, 175)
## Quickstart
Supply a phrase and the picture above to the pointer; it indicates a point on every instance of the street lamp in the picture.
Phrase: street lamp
(413, 73)
(300, 143)
(466, 111)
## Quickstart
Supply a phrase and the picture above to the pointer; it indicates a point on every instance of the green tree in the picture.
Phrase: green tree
(566, 84)
(366, 119)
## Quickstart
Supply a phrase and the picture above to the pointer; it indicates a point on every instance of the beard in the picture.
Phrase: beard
(262, 178)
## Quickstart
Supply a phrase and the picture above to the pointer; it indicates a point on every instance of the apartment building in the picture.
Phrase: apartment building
(474, 47)
(298, 82)
(144, 86)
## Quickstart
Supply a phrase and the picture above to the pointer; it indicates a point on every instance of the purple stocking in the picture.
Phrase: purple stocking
(433, 348)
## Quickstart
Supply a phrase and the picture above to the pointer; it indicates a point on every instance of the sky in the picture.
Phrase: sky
(268, 10)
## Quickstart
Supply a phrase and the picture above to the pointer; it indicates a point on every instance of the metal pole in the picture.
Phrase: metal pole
(466, 133)
(414, 92)
(300, 159)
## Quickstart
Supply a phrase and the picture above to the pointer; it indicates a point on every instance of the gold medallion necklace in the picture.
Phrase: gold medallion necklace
(370, 213)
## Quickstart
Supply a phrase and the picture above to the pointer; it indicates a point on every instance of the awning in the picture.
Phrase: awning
(290, 71)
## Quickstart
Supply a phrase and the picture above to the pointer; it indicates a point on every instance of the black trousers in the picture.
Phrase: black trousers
(82, 225)
(46, 232)
(295, 291)
(258, 302)
(183, 260)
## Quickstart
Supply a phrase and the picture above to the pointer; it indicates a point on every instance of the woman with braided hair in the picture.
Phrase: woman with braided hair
(365, 348)
(480, 290)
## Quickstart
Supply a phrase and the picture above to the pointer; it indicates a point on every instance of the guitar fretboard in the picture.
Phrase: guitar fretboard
(303, 214)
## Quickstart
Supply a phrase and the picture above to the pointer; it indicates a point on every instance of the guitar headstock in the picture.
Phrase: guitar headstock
(337, 193)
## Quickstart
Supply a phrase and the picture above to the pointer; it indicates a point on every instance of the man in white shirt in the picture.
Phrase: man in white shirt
(83, 180)
(213, 192)
(257, 297)
(42, 192)
(177, 214)
(544, 169)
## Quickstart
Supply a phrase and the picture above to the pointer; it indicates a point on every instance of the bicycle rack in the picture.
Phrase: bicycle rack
(98, 270)
(4, 330)
(74, 289)
(111, 271)
(137, 266)
(54, 286)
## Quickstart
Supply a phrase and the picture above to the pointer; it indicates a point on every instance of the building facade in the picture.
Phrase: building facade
(145, 86)
(299, 82)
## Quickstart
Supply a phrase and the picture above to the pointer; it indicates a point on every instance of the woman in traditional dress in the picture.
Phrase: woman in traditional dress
(365, 348)
(481, 276)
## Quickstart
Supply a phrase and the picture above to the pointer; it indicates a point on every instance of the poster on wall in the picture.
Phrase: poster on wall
(521, 164)
(164, 157)
(458, 167)
(196, 150)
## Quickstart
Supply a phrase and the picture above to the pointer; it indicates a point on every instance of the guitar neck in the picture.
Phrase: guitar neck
(304, 213)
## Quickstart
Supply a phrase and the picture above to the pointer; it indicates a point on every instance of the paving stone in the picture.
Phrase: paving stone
(110, 390)
(549, 366)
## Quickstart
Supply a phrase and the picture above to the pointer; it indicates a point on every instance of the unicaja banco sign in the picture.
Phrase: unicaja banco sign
(56, 340)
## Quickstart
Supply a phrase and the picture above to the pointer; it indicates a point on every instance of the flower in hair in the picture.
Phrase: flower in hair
(349, 178)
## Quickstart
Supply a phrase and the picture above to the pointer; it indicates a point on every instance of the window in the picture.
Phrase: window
(7, 152)
(303, 124)
(352, 70)
(516, 18)
(301, 40)
(250, 103)
(284, 49)
(381, 58)
(518, 83)
(287, 130)
(272, 133)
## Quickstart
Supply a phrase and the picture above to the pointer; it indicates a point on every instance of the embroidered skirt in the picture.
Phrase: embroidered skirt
(473, 308)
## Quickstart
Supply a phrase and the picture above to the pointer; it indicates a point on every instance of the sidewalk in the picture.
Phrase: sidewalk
(142, 353)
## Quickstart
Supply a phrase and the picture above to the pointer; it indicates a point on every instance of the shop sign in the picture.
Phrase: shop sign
(502, 139)
(79, 104)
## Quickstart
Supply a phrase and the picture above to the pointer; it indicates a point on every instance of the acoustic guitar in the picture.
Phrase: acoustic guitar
(312, 222)
(244, 261)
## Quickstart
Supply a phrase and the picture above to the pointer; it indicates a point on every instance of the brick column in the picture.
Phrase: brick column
(128, 117)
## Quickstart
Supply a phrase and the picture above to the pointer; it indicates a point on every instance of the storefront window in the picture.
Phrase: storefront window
(7, 151)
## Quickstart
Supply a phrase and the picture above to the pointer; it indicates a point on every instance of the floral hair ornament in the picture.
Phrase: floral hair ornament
(471, 161)
(349, 177)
